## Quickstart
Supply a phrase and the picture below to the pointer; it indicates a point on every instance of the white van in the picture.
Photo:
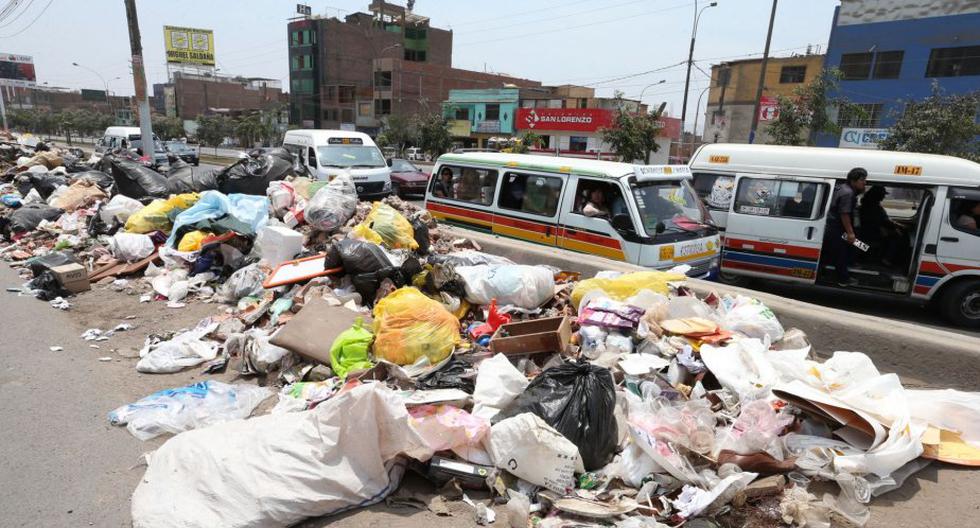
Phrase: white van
(324, 154)
(652, 215)
(128, 137)
(773, 203)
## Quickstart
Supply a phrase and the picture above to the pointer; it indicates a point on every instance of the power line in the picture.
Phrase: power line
(39, 15)
(637, 74)
(514, 15)
(549, 19)
(9, 8)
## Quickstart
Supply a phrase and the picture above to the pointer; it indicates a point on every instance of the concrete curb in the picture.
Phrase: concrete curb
(888, 342)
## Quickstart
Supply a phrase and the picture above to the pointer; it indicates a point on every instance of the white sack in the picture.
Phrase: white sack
(120, 208)
(184, 350)
(523, 286)
(498, 382)
(530, 449)
(279, 469)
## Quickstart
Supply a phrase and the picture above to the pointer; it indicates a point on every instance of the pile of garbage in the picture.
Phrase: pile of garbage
(369, 345)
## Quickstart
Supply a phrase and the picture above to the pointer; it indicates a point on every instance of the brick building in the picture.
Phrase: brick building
(54, 100)
(190, 95)
(352, 73)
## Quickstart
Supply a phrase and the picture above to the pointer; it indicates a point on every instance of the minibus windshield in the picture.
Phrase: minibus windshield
(673, 204)
(351, 156)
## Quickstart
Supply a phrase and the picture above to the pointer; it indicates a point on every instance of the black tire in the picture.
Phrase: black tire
(197, 163)
(396, 190)
(732, 279)
(960, 304)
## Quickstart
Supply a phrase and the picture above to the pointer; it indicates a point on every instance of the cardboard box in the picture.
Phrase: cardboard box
(72, 277)
(310, 333)
(552, 334)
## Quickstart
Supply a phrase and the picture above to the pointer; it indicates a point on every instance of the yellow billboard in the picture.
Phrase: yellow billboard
(189, 45)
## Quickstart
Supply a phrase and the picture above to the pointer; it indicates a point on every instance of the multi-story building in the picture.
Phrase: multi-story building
(733, 88)
(353, 73)
(890, 52)
(475, 116)
(190, 95)
(54, 100)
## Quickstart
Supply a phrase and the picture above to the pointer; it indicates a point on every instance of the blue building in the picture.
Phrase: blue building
(891, 51)
(476, 115)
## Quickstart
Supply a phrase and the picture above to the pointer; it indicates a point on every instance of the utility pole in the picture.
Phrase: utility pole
(139, 80)
(762, 75)
(690, 61)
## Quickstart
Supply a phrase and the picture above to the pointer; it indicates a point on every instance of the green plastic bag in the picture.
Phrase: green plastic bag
(350, 349)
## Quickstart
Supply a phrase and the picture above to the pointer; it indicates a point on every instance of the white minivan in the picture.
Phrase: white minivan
(919, 215)
(128, 137)
(642, 214)
(324, 154)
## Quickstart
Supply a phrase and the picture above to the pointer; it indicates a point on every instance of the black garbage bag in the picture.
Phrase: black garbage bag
(251, 175)
(367, 284)
(455, 374)
(443, 278)
(96, 226)
(100, 179)
(184, 178)
(420, 232)
(47, 287)
(29, 216)
(135, 180)
(356, 257)
(39, 265)
(45, 184)
(578, 399)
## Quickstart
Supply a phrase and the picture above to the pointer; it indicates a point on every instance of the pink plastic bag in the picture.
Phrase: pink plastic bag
(446, 427)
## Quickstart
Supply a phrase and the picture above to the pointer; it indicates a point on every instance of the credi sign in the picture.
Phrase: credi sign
(863, 138)
(574, 119)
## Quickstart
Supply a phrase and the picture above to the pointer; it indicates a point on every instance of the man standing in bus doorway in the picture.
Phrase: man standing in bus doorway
(840, 224)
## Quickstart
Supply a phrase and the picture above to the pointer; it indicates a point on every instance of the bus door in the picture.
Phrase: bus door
(776, 227)
(588, 229)
(527, 206)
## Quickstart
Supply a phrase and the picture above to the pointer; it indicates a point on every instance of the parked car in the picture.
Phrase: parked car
(406, 178)
(185, 152)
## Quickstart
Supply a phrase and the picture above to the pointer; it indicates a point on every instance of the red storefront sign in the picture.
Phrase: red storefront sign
(671, 128)
(574, 119)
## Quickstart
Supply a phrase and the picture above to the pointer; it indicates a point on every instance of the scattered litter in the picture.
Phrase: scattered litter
(56, 348)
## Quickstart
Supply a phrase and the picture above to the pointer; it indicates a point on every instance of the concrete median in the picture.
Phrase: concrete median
(921, 355)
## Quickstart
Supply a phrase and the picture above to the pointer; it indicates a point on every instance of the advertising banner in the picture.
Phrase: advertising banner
(768, 109)
(862, 138)
(572, 119)
(17, 70)
(189, 45)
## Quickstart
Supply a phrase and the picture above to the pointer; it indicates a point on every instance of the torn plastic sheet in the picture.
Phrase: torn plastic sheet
(184, 350)
(208, 477)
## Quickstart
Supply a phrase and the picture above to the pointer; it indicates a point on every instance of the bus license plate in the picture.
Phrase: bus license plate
(693, 248)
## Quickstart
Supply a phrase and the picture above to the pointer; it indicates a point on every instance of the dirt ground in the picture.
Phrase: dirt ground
(82, 471)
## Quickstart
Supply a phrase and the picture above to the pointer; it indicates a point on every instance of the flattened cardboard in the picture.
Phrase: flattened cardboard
(311, 332)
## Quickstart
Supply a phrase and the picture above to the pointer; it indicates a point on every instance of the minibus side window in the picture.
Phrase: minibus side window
(464, 184)
(964, 215)
(598, 199)
(715, 190)
(781, 198)
(530, 193)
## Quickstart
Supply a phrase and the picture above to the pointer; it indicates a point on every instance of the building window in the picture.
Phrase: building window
(382, 107)
(331, 94)
(302, 86)
(364, 109)
(347, 115)
(302, 62)
(303, 37)
(578, 143)
(414, 55)
(530, 193)
(954, 62)
(888, 64)
(415, 33)
(855, 66)
(493, 112)
(382, 79)
(331, 114)
(866, 115)
(462, 114)
(346, 94)
(792, 74)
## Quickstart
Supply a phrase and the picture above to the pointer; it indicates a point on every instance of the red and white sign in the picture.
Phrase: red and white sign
(671, 128)
(575, 119)
(768, 109)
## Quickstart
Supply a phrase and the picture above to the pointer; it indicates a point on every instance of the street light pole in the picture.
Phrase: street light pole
(696, 108)
(104, 83)
(690, 60)
(644, 90)
(762, 76)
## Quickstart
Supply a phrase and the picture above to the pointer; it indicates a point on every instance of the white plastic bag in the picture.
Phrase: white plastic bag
(333, 205)
(120, 208)
(184, 408)
(750, 317)
(498, 382)
(184, 350)
(245, 282)
(632, 466)
(130, 247)
(530, 449)
(278, 469)
(519, 285)
(742, 366)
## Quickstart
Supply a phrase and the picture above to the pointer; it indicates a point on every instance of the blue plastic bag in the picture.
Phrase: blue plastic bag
(252, 210)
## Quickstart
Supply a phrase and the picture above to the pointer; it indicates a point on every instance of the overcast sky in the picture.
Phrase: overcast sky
(601, 43)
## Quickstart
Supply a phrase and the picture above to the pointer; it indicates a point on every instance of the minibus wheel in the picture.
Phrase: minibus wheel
(732, 279)
(960, 303)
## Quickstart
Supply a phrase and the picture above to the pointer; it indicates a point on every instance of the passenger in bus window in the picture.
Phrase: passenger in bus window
(596, 206)
(840, 224)
(970, 212)
(444, 185)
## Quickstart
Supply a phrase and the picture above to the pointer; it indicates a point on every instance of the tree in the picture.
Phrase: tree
(433, 134)
(807, 113)
(938, 124)
(398, 132)
(525, 142)
(633, 135)
(212, 130)
(168, 127)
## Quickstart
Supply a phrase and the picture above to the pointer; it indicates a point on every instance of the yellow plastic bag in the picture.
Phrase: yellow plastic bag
(409, 325)
(192, 241)
(626, 285)
(156, 216)
(388, 227)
